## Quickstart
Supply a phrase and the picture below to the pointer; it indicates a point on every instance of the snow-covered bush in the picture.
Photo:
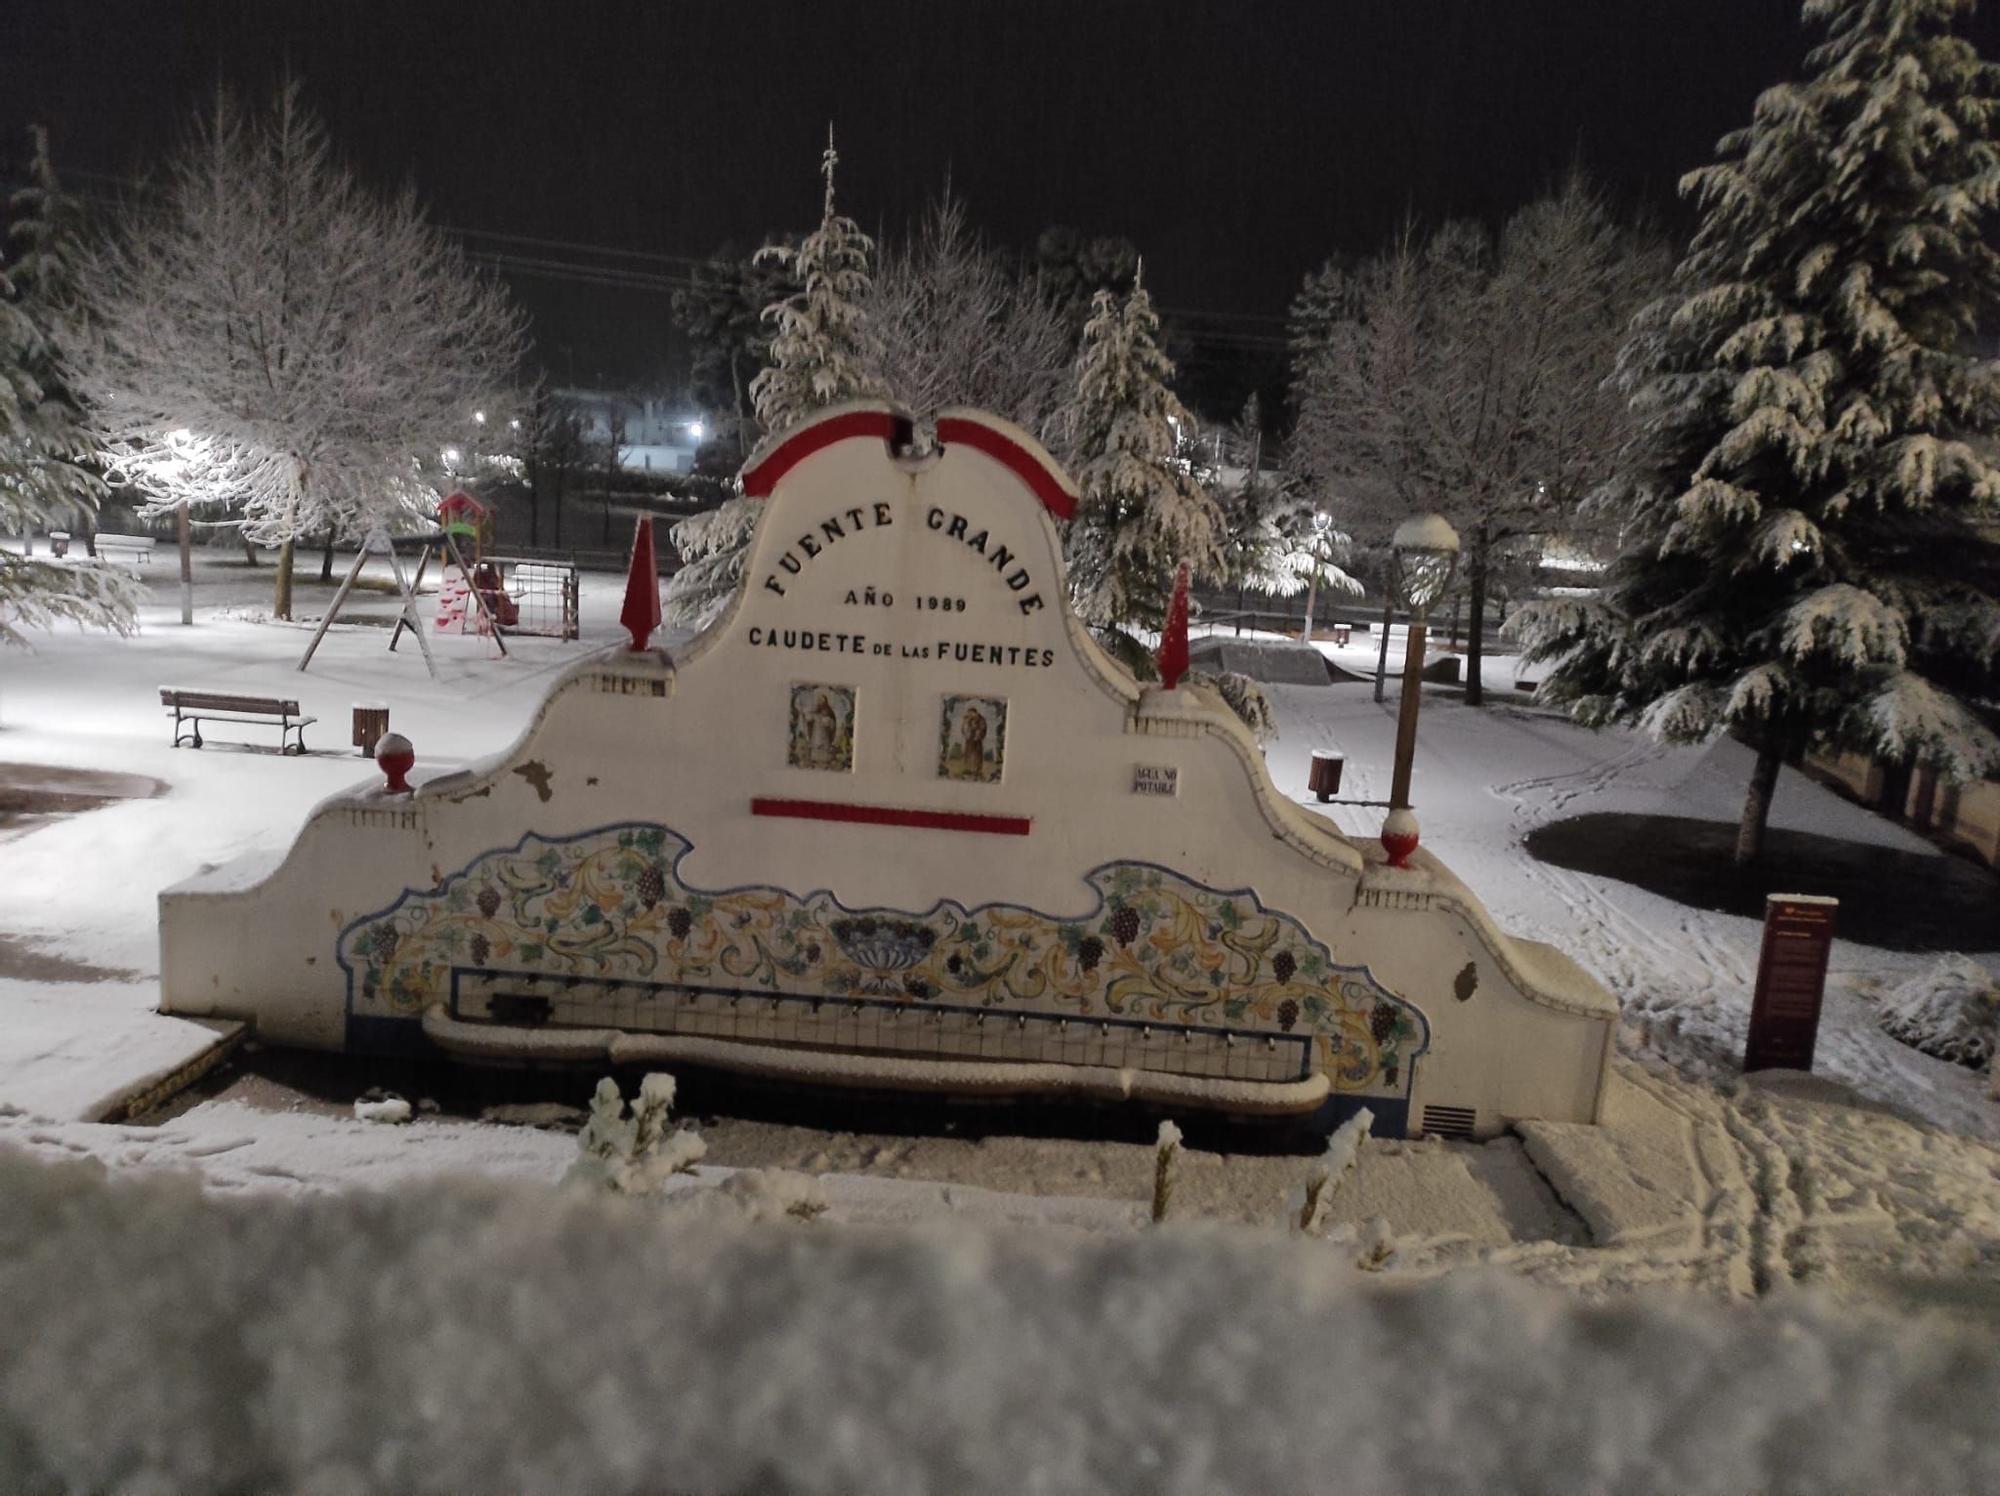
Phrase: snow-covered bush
(632, 1155)
(1951, 1010)
(1166, 1169)
(1241, 695)
(1332, 1166)
(376, 1107)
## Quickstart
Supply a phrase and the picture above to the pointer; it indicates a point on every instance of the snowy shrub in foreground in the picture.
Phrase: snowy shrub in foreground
(633, 1155)
(469, 1337)
(1951, 1010)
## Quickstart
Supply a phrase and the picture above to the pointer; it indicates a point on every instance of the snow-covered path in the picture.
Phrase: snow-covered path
(1486, 777)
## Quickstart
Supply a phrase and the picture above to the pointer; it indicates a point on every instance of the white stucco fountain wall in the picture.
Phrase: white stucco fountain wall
(895, 820)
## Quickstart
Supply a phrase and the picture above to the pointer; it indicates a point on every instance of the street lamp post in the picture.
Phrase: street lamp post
(1425, 548)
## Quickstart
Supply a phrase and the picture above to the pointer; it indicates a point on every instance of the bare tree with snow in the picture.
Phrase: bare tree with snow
(277, 344)
(44, 482)
(1466, 374)
(952, 323)
(1813, 558)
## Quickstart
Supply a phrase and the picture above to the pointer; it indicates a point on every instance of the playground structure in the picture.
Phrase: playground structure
(492, 596)
(895, 820)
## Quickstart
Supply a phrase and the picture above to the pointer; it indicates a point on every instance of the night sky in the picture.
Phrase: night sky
(1236, 144)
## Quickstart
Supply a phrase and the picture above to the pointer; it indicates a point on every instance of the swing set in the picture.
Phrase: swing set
(474, 595)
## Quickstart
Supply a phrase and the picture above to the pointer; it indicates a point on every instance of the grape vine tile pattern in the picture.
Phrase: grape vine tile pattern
(609, 906)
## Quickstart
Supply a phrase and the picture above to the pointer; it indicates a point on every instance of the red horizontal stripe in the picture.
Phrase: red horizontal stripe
(788, 454)
(1015, 457)
(890, 815)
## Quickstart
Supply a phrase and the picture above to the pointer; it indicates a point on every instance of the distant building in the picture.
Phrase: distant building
(653, 435)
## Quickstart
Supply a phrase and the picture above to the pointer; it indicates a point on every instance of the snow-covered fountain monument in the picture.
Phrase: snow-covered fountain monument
(894, 820)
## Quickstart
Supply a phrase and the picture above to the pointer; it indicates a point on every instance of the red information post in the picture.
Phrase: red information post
(1791, 981)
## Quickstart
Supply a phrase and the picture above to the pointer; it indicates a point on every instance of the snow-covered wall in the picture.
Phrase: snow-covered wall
(895, 818)
(453, 1337)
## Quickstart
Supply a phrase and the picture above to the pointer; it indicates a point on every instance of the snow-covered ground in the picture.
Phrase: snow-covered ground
(84, 887)
(1875, 1180)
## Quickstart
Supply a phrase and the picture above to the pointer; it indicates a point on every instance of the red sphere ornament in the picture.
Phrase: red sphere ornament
(1399, 836)
(394, 753)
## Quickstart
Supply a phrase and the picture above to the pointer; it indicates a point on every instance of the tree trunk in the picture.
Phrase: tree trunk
(1757, 804)
(744, 428)
(184, 530)
(1382, 655)
(1312, 587)
(249, 552)
(281, 594)
(535, 513)
(1475, 625)
(326, 558)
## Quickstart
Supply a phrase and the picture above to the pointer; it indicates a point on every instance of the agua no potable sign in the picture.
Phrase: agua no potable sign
(894, 819)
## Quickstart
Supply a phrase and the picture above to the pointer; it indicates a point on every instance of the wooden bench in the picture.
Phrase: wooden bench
(135, 550)
(193, 708)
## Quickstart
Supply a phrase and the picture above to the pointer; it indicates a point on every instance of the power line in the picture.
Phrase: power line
(1234, 331)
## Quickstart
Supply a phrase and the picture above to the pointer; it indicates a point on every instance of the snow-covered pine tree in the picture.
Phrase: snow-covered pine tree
(819, 357)
(43, 480)
(1143, 512)
(1812, 558)
(1253, 502)
(819, 354)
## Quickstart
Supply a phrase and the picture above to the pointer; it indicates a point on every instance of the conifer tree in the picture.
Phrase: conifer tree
(819, 353)
(1143, 511)
(1812, 559)
(819, 357)
(44, 483)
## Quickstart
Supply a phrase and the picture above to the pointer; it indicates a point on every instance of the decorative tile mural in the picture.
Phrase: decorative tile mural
(609, 905)
(972, 741)
(822, 727)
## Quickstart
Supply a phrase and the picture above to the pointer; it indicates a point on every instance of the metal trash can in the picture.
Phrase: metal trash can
(59, 542)
(1342, 632)
(1323, 779)
(371, 721)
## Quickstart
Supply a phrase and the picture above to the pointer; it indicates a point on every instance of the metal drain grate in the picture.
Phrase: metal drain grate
(1450, 1121)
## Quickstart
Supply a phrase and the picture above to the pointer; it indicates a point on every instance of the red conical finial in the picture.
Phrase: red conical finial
(641, 613)
(1173, 657)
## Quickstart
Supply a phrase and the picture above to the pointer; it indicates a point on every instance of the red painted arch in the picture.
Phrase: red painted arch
(1016, 458)
(1042, 481)
(758, 481)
